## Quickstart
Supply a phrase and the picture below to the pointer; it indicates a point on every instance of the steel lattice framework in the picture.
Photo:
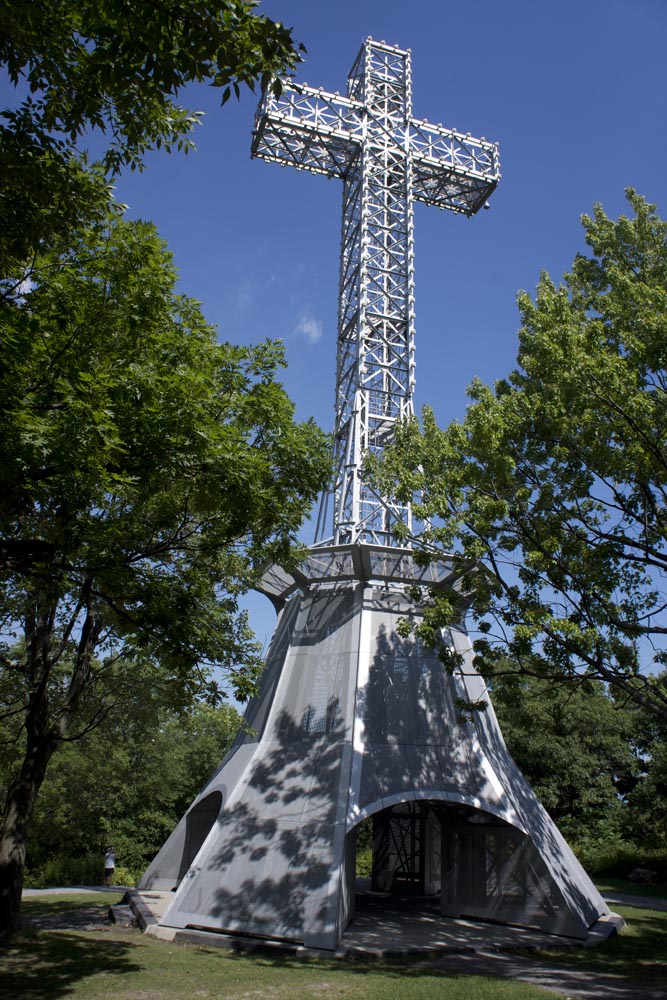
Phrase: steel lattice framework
(354, 719)
(386, 159)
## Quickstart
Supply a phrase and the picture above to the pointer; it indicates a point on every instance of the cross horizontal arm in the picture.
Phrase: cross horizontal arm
(310, 129)
(321, 132)
(451, 170)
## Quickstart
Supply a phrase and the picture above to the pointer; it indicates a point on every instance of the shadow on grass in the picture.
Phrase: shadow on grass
(639, 956)
(403, 968)
(639, 953)
(50, 910)
(44, 966)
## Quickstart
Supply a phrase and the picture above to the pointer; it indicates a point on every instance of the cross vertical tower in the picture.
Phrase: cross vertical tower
(386, 159)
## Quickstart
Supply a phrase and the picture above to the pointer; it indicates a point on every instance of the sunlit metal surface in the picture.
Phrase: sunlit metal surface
(356, 718)
(386, 159)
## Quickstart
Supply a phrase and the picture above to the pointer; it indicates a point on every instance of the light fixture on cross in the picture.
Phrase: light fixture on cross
(386, 159)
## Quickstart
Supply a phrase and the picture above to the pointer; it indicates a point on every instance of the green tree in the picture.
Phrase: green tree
(147, 474)
(552, 492)
(576, 747)
(645, 819)
(126, 782)
(115, 68)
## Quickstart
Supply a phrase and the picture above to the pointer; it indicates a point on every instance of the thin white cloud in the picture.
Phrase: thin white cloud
(309, 327)
(243, 296)
(251, 289)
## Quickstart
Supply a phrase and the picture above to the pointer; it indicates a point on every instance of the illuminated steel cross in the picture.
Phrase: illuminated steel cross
(386, 159)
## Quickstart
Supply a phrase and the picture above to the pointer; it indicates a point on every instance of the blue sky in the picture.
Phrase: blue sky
(573, 91)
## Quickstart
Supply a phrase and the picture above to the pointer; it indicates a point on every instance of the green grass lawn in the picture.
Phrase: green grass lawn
(638, 953)
(109, 963)
(115, 964)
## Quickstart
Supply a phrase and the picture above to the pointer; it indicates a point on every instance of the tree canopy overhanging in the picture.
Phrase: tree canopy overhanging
(115, 68)
(120, 65)
(148, 473)
(552, 492)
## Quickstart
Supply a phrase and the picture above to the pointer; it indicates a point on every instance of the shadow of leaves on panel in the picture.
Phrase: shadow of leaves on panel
(281, 835)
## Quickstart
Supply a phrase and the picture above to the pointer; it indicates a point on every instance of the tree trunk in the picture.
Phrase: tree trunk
(14, 832)
(43, 735)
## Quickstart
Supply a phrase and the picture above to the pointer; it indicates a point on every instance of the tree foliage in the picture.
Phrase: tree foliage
(126, 783)
(645, 820)
(147, 474)
(115, 68)
(552, 492)
(141, 460)
(147, 471)
(578, 749)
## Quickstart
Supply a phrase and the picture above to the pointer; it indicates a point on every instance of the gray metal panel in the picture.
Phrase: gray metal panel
(274, 886)
(393, 770)
(458, 774)
(426, 768)
(267, 867)
(370, 789)
(329, 563)
(260, 706)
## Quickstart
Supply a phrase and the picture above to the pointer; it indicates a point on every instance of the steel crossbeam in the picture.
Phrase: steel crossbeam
(386, 159)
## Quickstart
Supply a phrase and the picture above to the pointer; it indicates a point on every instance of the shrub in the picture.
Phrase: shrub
(84, 870)
(364, 862)
(618, 858)
(125, 876)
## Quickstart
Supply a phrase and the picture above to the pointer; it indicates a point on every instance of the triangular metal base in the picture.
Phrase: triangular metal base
(353, 721)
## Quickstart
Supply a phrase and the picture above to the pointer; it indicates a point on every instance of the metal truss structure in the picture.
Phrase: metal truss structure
(386, 159)
(354, 719)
